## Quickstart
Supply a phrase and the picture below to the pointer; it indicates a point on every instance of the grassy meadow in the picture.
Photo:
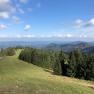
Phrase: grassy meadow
(19, 77)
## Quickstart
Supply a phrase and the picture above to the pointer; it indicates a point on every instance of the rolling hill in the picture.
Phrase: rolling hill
(19, 77)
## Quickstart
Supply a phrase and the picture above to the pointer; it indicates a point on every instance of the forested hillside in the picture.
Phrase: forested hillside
(19, 77)
(74, 64)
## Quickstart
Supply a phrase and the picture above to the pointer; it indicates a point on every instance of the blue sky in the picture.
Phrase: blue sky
(47, 19)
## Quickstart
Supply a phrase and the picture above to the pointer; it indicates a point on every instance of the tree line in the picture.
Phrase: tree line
(74, 64)
(38, 57)
(7, 52)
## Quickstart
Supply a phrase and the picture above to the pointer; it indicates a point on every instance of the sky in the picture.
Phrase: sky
(47, 20)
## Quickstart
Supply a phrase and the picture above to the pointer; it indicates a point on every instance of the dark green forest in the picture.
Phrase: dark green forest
(74, 64)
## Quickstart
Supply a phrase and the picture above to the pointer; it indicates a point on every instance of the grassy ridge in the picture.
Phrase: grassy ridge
(18, 77)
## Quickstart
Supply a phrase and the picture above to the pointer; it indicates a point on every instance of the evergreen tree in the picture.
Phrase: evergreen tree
(72, 65)
(79, 63)
(57, 67)
(63, 60)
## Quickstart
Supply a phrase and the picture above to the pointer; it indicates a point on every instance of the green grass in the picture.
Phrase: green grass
(18, 77)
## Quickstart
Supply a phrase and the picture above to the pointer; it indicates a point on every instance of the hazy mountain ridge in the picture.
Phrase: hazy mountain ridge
(69, 47)
(87, 47)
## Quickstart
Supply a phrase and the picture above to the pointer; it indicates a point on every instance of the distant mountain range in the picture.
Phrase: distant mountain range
(84, 46)
(36, 44)
(87, 47)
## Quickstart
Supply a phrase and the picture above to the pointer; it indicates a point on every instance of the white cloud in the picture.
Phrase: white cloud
(58, 35)
(83, 36)
(27, 27)
(66, 36)
(29, 36)
(26, 36)
(78, 23)
(16, 19)
(19, 9)
(3, 36)
(69, 35)
(23, 1)
(82, 23)
(48, 36)
(92, 21)
(4, 15)
(6, 8)
(2, 26)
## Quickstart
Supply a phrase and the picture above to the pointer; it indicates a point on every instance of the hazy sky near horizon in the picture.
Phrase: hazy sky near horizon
(47, 19)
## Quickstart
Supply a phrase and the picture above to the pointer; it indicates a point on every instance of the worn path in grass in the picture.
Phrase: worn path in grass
(19, 77)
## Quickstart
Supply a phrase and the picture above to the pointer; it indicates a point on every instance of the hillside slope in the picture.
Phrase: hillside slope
(18, 77)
